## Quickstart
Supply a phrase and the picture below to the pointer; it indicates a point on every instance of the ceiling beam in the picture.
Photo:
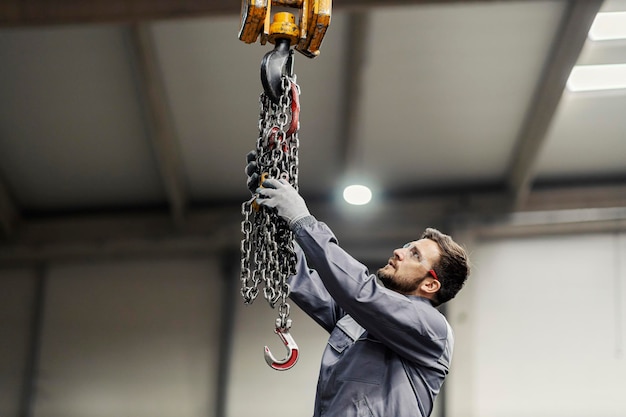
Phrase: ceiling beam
(161, 132)
(210, 231)
(355, 64)
(9, 212)
(563, 55)
(59, 12)
(518, 225)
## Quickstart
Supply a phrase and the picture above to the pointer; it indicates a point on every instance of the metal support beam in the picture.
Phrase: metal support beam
(161, 132)
(117, 236)
(31, 368)
(230, 270)
(356, 58)
(59, 12)
(9, 213)
(558, 222)
(565, 50)
(211, 231)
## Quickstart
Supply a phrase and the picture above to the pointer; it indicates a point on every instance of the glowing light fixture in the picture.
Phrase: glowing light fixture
(597, 77)
(357, 195)
(608, 26)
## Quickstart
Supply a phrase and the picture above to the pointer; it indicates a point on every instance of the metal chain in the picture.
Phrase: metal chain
(267, 252)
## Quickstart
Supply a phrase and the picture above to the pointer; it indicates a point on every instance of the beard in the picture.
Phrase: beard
(384, 276)
(397, 282)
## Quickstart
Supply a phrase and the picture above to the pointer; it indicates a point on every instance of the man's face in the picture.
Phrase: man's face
(409, 266)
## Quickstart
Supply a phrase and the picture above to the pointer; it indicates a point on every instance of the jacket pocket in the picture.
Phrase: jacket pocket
(366, 362)
(339, 341)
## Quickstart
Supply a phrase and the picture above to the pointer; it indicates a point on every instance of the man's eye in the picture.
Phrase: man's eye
(415, 255)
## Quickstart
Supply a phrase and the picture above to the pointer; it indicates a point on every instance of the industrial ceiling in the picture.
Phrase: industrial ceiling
(124, 125)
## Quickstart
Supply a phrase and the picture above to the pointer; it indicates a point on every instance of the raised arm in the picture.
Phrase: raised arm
(309, 293)
(408, 325)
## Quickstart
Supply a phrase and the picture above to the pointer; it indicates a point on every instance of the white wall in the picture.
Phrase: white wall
(541, 329)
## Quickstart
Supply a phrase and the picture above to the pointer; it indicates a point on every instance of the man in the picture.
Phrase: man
(389, 348)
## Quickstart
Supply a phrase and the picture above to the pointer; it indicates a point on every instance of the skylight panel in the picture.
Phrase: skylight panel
(608, 26)
(597, 77)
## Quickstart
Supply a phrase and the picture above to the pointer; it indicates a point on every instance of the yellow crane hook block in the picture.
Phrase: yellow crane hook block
(307, 35)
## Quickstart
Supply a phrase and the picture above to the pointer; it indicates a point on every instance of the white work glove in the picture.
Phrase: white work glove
(280, 195)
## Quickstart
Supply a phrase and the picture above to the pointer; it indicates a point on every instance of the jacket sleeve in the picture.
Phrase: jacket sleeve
(308, 293)
(408, 325)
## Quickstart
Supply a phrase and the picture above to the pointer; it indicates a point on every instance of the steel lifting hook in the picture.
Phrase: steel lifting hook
(292, 351)
(275, 64)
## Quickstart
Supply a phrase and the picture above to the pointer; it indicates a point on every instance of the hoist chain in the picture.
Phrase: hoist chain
(267, 252)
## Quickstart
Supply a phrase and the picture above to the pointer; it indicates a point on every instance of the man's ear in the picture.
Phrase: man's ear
(430, 285)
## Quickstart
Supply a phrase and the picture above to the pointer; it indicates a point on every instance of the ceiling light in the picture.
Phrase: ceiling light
(608, 26)
(357, 194)
(597, 77)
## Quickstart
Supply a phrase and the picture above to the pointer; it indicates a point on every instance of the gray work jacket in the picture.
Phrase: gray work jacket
(387, 354)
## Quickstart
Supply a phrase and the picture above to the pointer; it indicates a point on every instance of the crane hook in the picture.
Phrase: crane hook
(275, 64)
(292, 351)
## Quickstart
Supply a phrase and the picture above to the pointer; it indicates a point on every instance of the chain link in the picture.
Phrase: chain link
(267, 252)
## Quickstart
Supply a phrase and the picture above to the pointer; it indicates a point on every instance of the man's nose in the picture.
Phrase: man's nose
(399, 253)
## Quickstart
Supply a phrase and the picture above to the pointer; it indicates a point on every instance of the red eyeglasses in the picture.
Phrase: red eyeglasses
(434, 274)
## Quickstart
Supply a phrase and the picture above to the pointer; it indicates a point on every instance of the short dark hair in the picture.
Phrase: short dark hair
(453, 267)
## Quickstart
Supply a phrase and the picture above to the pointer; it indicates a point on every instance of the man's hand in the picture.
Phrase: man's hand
(280, 195)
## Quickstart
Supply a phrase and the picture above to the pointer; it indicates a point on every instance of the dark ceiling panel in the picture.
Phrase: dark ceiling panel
(52, 12)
